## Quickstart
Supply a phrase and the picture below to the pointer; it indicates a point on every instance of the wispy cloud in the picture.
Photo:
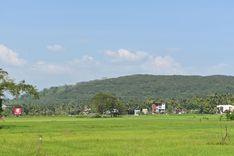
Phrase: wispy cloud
(165, 65)
(84, 60)
(126, 55)
(10, 57)
(55, 48)
(86, 67)
(145, 62)
(51, 68)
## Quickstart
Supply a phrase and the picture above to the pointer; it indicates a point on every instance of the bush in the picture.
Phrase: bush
(230, 115)
(81, 116)
(94, 115)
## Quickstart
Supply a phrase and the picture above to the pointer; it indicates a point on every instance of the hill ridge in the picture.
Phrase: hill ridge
(138, 87)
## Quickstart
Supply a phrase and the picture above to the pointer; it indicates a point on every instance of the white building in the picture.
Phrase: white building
(158, 108)
(224, 108)
(137, 112)
(145, 111)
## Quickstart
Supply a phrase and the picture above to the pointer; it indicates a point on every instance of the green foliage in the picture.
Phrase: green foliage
(16, 89)
(192, 93)
(103, 102)
(0, 106)
(229, 115)
(139, 87)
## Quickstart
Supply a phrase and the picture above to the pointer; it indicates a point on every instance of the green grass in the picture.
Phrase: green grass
(182, 135)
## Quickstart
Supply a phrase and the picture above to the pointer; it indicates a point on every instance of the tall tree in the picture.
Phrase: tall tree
(15, 89)
(103, 102)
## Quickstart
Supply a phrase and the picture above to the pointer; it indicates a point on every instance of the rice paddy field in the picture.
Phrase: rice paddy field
(169, 135)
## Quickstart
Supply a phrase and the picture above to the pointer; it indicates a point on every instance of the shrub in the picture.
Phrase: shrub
(95, 115)
(230, 115)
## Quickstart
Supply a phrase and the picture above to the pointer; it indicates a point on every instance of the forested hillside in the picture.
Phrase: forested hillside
(133, 89)
(143, 86)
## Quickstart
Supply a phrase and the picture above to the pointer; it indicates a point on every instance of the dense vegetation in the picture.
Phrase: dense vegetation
(200, 93)
(15, 89)
(107, 104)
(139, 87)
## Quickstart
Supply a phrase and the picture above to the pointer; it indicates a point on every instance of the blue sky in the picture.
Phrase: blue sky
(51, 43)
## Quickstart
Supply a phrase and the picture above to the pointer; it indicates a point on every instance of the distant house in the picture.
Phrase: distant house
(158, 108)
(17, 110)
(145, 111)
(113, 112)
(137, 112)
(224, 108)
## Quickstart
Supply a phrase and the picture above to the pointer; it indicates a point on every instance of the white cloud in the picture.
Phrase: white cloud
(144, 62)
(50, 68)
(165, 65)
(126, 55)
(55, 48)
(86, 60)
(10, 57)
(163, 62)
(87, 67)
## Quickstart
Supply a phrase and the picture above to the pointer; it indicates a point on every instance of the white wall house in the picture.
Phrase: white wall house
(145, 111)
(158, 108)
(224, 108)
(137, 112)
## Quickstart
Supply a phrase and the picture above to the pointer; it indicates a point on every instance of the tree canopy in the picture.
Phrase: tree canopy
(15, 89)
(199, 93)
(104, 102)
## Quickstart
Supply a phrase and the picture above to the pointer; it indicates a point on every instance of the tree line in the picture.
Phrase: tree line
(62, 100)
(103, 103)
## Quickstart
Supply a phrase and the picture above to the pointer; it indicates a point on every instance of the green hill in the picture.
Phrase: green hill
(139, 87)
(133, 90)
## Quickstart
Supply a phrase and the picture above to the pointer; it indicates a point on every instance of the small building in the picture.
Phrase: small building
(158, 108)
(137, 112)
(17, 110)
(113, 112)
(145, 111)
(225, 108)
